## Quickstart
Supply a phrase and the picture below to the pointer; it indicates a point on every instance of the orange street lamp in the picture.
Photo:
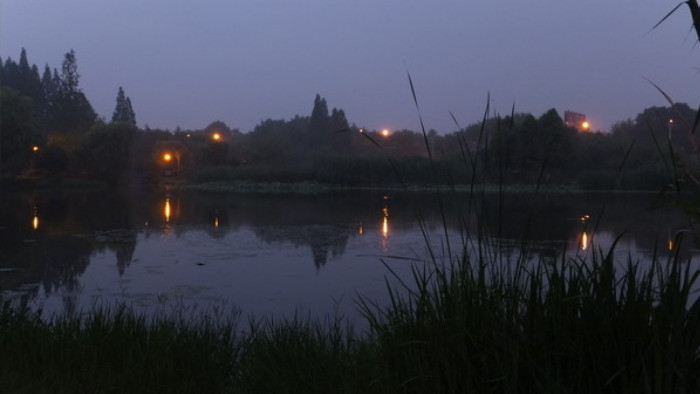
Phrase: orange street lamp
(585, 125)
(385, 132)
(35, 148)
(168, 157)
(216, 137)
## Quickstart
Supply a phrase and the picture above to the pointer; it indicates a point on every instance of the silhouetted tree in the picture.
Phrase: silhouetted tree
(123, 112)
(71, 110)
(338, 122)
(24, 79)
(104, 152)
(49, 90)
(316, 141)
(20, 132)
(217, 126)
(52, 159)
(319, 115)
(557, 143)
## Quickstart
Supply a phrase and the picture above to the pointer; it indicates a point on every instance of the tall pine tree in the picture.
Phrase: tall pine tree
(71, 110)
(318, 123)
(123, 112)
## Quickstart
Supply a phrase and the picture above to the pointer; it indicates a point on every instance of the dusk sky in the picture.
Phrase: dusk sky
(188, 63)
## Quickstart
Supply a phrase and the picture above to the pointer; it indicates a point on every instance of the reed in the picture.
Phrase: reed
(115, 350)
(583, 325)
(580, 325)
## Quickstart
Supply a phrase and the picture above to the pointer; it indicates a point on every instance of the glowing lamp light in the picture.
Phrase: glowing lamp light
(386, 132)
(585, 241)
(216, 137)
(166, 210)
(35, 220)
(385, 222)
(585, 125)
(167, 157)
(35, 148)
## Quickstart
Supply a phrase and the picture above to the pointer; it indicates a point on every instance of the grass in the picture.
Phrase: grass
(579, 325)
(114, 351)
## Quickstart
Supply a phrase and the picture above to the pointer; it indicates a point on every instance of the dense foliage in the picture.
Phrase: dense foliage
(52, 114)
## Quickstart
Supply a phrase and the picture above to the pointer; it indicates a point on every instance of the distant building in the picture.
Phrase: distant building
(576, 120)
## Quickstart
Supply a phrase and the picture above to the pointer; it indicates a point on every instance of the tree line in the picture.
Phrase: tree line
(49, 128)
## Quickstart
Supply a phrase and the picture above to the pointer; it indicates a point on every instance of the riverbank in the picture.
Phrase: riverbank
(17, 184)
(309, 187)
(585, 326)
(11, 184)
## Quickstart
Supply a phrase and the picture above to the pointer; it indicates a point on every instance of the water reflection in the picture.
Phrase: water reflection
(385, 222)
(68, 233)
(324, 241)
(585, 241)
(35, 220)
(166, 210)
(385, 228)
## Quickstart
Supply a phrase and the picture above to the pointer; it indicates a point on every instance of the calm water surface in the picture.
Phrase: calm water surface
(277, 254)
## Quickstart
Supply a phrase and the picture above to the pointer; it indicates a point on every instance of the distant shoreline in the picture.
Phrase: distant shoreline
(11, 184)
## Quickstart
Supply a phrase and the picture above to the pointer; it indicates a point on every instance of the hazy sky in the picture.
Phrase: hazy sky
(189, 63)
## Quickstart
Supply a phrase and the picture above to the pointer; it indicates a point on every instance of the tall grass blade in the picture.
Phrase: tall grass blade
(686, 126)
(668, 15)
(695, 13)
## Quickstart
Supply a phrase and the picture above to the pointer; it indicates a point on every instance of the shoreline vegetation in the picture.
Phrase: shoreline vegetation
(51, 131)
(476, 324)
(314, 187)
(25, 184)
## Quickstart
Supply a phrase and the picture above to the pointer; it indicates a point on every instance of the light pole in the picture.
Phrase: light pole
(168, 157)
(670, 127)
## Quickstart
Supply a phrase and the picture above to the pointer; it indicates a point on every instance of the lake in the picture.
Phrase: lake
(277, 254)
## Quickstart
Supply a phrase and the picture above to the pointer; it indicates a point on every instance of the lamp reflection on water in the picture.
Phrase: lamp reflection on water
(585, 240)
(385, 222)
(166, 210)
(35, 220)
(384, 242)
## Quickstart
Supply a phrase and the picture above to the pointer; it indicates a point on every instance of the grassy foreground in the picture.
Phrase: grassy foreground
(568, 326)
